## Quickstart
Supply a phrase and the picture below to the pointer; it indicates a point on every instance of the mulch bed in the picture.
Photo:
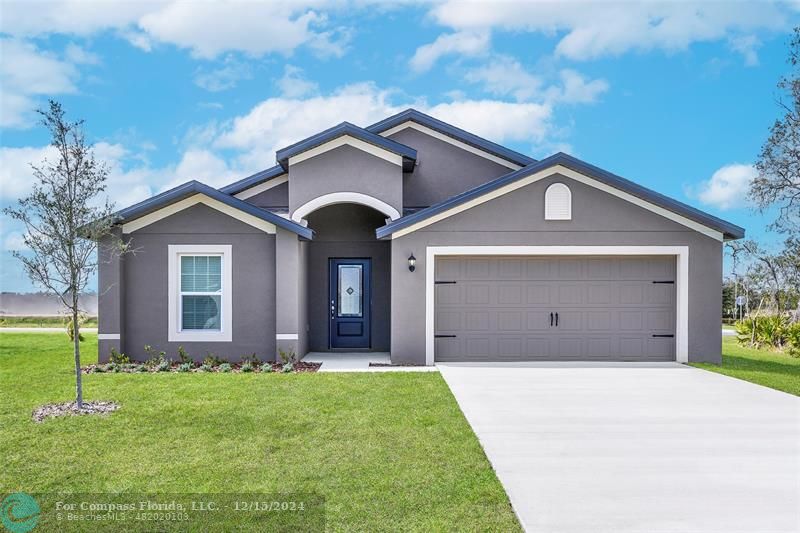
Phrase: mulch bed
(235, 368)
(53, 410)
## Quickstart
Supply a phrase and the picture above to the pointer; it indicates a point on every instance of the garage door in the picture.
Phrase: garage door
(520, 308)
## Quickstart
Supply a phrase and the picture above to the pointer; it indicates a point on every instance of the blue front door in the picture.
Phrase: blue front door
(350, 301)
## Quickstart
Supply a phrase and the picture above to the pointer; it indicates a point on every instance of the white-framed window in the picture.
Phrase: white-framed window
(558, 202)
(200, 296)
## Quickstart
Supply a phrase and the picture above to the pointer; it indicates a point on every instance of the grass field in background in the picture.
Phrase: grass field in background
(40, 322)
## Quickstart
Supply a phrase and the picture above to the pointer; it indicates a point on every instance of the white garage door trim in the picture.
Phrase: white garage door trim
(682, 279)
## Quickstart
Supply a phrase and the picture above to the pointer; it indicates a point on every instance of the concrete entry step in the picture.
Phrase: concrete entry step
(359, 362)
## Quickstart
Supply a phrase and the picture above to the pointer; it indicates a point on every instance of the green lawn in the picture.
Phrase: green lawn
(769, 368)
(388, 451)
(40, 322)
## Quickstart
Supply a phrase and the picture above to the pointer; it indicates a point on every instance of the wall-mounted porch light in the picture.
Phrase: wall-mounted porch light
(412, 263)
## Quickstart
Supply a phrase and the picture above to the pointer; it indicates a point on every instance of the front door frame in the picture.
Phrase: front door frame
(366, 298)
(681, 254)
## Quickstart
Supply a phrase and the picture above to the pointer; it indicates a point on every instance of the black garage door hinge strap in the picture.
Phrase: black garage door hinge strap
(444, 336)
(665, 282)
(444, 282)
(665, 336)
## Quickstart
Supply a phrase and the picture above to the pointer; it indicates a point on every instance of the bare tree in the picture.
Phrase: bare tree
(64, 216)
(778, 165)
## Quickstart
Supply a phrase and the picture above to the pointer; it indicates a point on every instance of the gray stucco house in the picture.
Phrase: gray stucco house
(417, 238)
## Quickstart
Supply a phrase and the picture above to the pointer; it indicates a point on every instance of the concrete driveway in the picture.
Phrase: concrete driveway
(635, 447)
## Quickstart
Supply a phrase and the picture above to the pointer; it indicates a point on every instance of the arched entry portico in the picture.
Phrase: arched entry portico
(348, 283)
(335, 198)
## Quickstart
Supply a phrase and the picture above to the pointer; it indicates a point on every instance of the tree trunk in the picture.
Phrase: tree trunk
(76, 344)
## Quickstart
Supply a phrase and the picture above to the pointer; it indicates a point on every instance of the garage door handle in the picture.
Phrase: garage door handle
(444, 336)
(665, 336)
(551, 320)
(556, 319)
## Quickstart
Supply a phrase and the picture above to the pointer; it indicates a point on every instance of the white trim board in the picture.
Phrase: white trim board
(261, 187)
(569, 173)
(174, 333)
(108, 336)
(169, 210)
(450, 140)
(681, 254)
(286, 337)
(350, 141)
(344, 198)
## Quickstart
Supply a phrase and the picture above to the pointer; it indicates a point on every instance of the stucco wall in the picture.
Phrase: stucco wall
(345, 169)
(518, 219)
(343, 231)
(442, 170)
(145, 285)
(277, 196)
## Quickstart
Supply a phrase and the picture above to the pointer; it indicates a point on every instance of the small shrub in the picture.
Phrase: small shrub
(793, 339)
(289, 357)
(71, 328)
(246, 367)
(763, 331)
(225, 367)
(140, 368)
(212, 360)
(184, 367)
(114, 367)
(183, 356)
(99, 369)
(205, 368)
(266, 367)
(163, 366)
(288, 367)
(118, 358)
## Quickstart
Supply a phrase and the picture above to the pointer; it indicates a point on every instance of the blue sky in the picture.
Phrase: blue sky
(677, 96)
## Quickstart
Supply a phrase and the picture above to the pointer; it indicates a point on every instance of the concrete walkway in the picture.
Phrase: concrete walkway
(635, 447)
(359, 362)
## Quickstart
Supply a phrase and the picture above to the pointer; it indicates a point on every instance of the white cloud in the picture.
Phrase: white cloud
(26, 73)
(14, 242)
(496, 120)
(225, 77)
(280, 121)
(595, 29)
(74, 17)
(201, 165)
(277, 122)
(293, 84)
(747, 45)
(211, 28)
(207, 29)
(468, 43)
(505, 76)
(80, 56)
(727, 188)
(16, 174)
(576, 89)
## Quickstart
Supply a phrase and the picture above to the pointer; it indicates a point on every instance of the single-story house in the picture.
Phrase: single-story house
(420, 239)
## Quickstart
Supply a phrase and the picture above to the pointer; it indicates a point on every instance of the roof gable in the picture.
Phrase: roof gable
(193, 192)
(441, 129)
(576, 169)
(346, 133)
(253, 180)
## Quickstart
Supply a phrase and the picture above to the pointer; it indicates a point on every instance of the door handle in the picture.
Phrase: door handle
(556, 319)
(551, 320)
